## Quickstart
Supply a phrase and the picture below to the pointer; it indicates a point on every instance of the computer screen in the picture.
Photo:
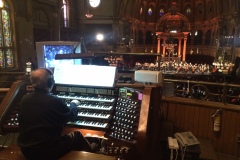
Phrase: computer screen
(47, 50)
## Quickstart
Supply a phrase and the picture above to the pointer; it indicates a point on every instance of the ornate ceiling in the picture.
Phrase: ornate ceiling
(189, 14)
(195, 10)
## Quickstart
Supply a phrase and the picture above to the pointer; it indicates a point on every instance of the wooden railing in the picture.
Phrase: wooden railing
(7, 79)
(226, 93)
(195, 115)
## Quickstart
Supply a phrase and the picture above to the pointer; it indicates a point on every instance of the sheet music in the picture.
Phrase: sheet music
(86, 75)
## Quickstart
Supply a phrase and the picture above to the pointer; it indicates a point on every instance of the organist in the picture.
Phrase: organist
(41, 121)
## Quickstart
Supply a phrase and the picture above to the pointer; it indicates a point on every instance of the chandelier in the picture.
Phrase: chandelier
(88, 14)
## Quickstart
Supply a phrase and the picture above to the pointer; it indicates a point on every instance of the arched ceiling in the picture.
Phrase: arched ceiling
(215, 7)
(197, 14)
(171, 21)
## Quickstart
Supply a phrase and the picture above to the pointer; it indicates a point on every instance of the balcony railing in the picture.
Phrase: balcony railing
(223, 92)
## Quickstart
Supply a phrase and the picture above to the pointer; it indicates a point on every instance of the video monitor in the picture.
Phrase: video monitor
(47, 50)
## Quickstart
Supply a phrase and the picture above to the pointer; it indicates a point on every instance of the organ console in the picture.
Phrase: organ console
(96, 105)
(128, 116)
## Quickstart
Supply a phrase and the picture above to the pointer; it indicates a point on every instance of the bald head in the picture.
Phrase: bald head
(39, 78)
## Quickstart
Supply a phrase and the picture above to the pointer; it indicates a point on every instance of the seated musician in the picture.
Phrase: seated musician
(41, 121)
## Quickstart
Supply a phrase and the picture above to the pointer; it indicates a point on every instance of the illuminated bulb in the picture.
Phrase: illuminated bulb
(99, 37)
(1, 3)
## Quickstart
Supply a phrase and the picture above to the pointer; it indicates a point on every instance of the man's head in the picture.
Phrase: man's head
(42, 78)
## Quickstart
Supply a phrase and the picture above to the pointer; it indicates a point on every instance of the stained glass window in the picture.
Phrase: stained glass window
(161, 12)
(141, 10)
(65, 13)
(188, 11)
(6, 44)
(149, 11)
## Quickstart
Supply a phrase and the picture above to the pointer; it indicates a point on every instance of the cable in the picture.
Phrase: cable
(171, 156)
(176, 154)
(237, 151)
(183, 151)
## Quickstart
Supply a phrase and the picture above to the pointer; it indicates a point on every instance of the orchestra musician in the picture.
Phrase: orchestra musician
(41, 121)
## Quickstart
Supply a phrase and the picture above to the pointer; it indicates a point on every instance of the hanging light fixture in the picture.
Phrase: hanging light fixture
(88, 14)
(1, 3)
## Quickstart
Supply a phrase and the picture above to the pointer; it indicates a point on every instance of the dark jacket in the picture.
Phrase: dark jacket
(42, 118)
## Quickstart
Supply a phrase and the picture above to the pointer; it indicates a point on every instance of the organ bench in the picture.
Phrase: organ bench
(13, 152)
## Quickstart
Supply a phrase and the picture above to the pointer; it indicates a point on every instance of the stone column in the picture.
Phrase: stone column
(158, 47)
(159, 42)
(179, 46)
(184, 49)
(184, 46)
(164, 46)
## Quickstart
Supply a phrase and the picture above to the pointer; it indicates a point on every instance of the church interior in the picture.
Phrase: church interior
(182, 57)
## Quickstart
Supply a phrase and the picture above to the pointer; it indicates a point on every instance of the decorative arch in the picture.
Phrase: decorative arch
(200, 11)
(176, 26)
(151, 18)
(162, 7)
(169, 17)
(186, 7)
(142, 11)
